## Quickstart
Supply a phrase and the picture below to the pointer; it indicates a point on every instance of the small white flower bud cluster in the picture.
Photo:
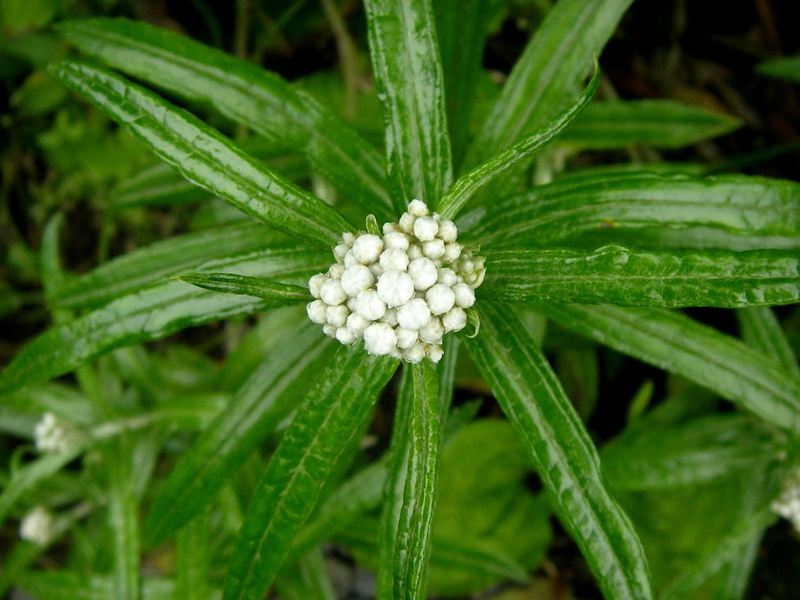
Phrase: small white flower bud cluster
(787, 505)
(37, 526)
(53, 435)
(399, 292)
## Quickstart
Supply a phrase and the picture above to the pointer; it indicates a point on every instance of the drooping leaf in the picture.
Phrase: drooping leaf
(242, 92)
(564, 456)
(676, 343)
(204, 156)
(290, 361)
(470, 183)
(408, 75)
(748, 206)
(656, 123)
(548, 74)
(142, 267)
(336, 407)
(258, 287)
(153, 313)
(621, 276)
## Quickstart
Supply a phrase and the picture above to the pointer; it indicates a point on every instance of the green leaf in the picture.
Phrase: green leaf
(700, 450)
(123, 518)
(747, 206)
(565, 458)
(71, 585)
(617, 275)
(469, 184)
(762, 331)
(548, 74)
(204, 156)
(656, 123)
(290, 361)
(153, 313)
(676, 343)
(306, 580)
(140, 268)
(193, 553)
(258, 287)
(408, 75)
(781, 68)
(244, 93)
(412, 544)
(335, 408)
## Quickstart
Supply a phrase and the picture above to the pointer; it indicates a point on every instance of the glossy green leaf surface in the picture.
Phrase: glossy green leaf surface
(621, 276)
(563, 454)
(242, 92)
(204, 156)
(267, 396)
(142, 267)
(676, 343)
(549, 72)
(782, 68)
(258, 287)
(413, 542)
(738, 204)
(335, 408)
(153, 313)
(408, 75)
(656, 123)
(470, 183)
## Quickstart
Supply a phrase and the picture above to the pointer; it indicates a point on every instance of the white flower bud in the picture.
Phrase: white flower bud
(394, 259)
(415, 353)
(335, 271)
(423, 272)
(340, 251)
(417, 208)
(433, 249)
(407, 222)
(332, 292)
(350, 260)
(406, 338)
(329, 330)
(369, 305)
(357, 323)
(356, 279)
(447, 277)
(37, 526)
(345, 335)
(51, 434)
(451, 252)
(465, 295)
(315, 284)
(426, 228)
(376, 269)
(415, 251)
(433, 331)
(448, 231)
(395, 288)
(396, 240)
(455, 319)
(388, 228)
(317, 311)
(379, 339)
(435, 353)
(367, 248)
(348, 238)
(390, 317)
(414, 315)
(440, 299)
(337, 315)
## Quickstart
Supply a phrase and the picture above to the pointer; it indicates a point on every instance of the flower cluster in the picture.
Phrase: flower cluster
(787, 505)
(400, 292)
(53, 435)
(37, 526)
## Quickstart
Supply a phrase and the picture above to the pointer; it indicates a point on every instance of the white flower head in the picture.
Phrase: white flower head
(401, 292)
(787, 505)
(37, 526)
(51, 434)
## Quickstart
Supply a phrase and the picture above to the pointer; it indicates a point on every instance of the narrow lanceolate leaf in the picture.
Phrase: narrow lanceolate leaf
(335, 408)
(192, 552)
(408, 75)
(123, 519)
(738, 204)
(617, 275)
(657, 123)
(242, 92)
(413, 543)
(714, 560)
(204, 156)
(470, 183)
(72, 585)
(782, 68)
(258, 287)
(762, 331)
(145, 266)
(291, 360)
(153, 313)
(564, 456)
(673, 341)
(549, 72)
